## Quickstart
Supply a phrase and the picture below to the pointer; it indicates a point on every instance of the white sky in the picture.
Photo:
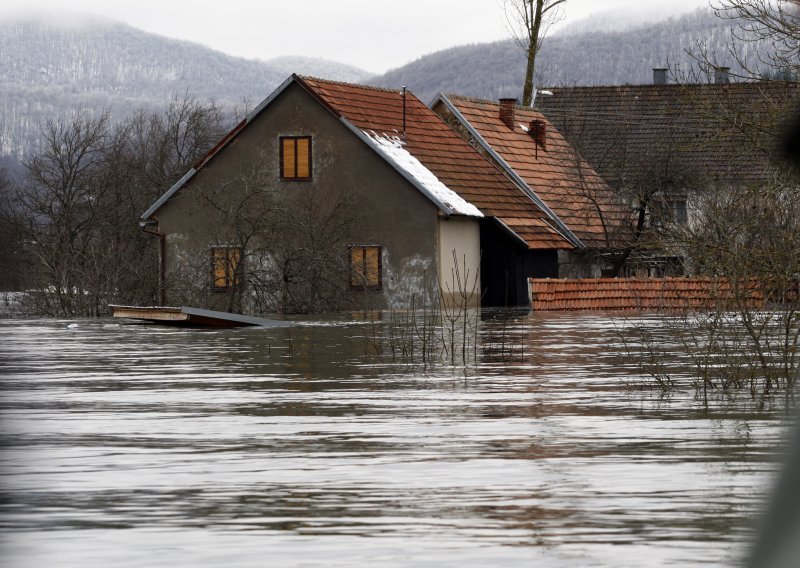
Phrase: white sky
(376, 35)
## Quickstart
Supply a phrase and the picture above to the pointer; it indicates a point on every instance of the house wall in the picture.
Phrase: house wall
(578, 264)
(388, 210)
(460, 261)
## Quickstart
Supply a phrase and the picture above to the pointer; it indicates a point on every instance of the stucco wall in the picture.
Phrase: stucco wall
(390, 211)
(460, 260)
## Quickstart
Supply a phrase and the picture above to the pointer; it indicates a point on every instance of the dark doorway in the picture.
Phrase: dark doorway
(506, 265)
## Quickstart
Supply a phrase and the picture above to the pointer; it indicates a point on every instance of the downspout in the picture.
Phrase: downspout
(147, 227)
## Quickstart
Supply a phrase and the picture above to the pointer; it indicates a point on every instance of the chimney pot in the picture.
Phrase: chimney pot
(507, 111)
(660, 76)
(722, 75)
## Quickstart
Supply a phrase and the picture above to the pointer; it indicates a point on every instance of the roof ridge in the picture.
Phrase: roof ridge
(493, 102)
(452, 96)
(357, 85)
(738, 85)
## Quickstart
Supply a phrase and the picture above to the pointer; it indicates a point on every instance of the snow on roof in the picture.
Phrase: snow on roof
(391, 148)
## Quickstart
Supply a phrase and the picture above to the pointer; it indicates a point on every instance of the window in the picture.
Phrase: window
(670, 209)
(676, 208)
(365, 266)
(225, 267)
(296, 157)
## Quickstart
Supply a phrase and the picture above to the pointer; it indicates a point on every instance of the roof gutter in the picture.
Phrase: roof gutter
(560, 226)
(150, 227)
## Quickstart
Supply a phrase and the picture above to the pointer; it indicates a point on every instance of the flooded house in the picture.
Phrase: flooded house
(332, 195)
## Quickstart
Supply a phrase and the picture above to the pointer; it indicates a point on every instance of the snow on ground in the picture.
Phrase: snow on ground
(391, 148)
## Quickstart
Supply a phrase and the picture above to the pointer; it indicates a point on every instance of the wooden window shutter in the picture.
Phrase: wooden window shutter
(303, 158)
(295, 157)
(365, 266)
(372, 262)
(224, 266)
(288, 161)
(220, 267)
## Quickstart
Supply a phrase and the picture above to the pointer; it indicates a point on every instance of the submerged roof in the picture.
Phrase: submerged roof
(727, 132)
(434, 159)
(552, 171)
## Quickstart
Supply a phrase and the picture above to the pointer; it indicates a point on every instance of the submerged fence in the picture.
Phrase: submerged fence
(641, 294)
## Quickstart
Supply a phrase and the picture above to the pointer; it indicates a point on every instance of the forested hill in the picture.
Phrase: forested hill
(50, 68)
(578, 56)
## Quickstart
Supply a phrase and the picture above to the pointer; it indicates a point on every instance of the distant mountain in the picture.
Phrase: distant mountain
(322, 68)
(622, 19)
(584, 54)
(50, 68)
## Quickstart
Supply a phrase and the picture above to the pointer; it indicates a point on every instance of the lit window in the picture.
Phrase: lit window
(296, 157)
(225, 267)
(365, 266)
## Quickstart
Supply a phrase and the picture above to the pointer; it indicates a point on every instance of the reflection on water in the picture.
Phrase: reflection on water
(132, 445)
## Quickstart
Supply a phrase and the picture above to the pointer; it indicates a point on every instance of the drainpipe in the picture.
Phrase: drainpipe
(148, 227)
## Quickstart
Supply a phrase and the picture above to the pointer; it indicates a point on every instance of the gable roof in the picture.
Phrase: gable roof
(456, 178)
(379, 113)
(449, 202)
(553, 173)
(724, 132)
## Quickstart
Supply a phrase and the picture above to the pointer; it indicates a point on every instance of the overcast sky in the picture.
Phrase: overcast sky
(376, 35)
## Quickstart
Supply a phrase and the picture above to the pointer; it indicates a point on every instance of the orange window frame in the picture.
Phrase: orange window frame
(366, 266)
(295, 158)
(225, 267)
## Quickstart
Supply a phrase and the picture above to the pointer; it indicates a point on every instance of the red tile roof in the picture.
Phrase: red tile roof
(459, 166)
(566, 183)
(641, 294)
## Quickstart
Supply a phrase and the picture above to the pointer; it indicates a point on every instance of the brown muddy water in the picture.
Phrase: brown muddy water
(132, 445)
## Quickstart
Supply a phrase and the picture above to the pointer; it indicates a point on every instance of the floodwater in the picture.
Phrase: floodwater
(132, 445)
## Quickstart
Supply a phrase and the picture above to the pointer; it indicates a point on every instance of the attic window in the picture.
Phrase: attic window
(365, 266)
(225, 267)
(295, 157)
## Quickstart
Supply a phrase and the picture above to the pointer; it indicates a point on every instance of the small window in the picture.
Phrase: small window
(678, 211)
(296, 157)
(670, 209)
(225, 267)
(365, 266)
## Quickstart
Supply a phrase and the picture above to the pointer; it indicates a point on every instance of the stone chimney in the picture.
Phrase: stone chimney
(722, 75)
(660, 76)
(507, 111)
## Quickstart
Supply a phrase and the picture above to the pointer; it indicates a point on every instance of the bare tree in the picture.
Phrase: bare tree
(777, 21)
(529, 21)
(59, 202)
(84, 193)
(11, 238)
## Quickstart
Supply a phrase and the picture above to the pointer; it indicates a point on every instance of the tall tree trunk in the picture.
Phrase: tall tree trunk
(533, 49)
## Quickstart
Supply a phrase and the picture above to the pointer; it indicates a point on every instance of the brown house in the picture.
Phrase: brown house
(523, 143)
(333, 195)
(662, 145)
